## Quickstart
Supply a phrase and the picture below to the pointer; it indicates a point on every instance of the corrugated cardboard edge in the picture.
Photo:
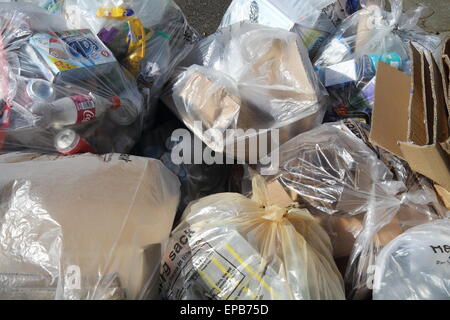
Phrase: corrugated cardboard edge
(417, 116)
(447, 79)
(440, 128)
(428, 101)
(444, 195)
(446, 72)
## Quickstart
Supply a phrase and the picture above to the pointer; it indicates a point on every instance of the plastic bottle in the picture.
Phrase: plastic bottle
(73, 110)
(40, 90)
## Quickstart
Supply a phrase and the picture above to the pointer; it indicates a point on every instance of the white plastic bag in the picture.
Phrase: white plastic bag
(303, 17)
(83, 227)
(233, 248)
(415, 266)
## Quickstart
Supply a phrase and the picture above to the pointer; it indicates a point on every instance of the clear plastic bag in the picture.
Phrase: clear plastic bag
(149, 37)
(52, 6)
(197, 180)
(63, 90)
(414, 266)
(390, 213)
(332, 170)
(303, 17)
(348, 62)
(362, 197)
(102, 241)
(233, 248)
(339, 10)
(247, 76)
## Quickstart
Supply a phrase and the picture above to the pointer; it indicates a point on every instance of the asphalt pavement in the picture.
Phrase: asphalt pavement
(204, 15)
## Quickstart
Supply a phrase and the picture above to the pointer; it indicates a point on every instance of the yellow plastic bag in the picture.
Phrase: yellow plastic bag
(233, 248)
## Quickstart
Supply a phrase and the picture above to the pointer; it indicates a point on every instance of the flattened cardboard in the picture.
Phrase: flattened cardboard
(390, 115)
(431, 161)
(444, 195)
(427, 158)
(399, 129)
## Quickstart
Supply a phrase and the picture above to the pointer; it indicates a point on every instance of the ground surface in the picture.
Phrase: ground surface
(205, 15)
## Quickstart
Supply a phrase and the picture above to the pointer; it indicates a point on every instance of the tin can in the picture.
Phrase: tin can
(68, 142)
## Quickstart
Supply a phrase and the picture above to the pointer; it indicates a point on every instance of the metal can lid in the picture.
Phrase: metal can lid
(40, 90)
(66, 141)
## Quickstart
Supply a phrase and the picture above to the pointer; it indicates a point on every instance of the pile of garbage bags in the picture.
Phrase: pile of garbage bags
(347, 63)
(135, 164)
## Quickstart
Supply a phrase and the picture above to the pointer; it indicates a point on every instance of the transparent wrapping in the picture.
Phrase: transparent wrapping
(103, 242)
(62, 90)
(332, 170)
(52, 6)
(364, 199)
(229, 247)
(341, 9)
(348, 62)
(415, 265)
(244, 77)
(303, 17)
(392, 210)
(198, 180)
(148, 37)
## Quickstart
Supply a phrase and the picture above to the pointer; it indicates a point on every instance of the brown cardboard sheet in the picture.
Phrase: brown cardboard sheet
(409, 118)
(390, 115)
(444, 195)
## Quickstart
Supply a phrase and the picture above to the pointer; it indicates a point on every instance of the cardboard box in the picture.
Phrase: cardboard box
(104, 216)
(72, 56)
(411, 117)
(214, 105)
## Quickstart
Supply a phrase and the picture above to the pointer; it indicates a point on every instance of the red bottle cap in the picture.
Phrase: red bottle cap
(117, 102)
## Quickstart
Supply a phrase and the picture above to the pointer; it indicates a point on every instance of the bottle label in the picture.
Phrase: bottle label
(85, 105)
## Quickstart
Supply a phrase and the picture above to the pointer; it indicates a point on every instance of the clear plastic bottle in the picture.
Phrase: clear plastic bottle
(72, 110)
